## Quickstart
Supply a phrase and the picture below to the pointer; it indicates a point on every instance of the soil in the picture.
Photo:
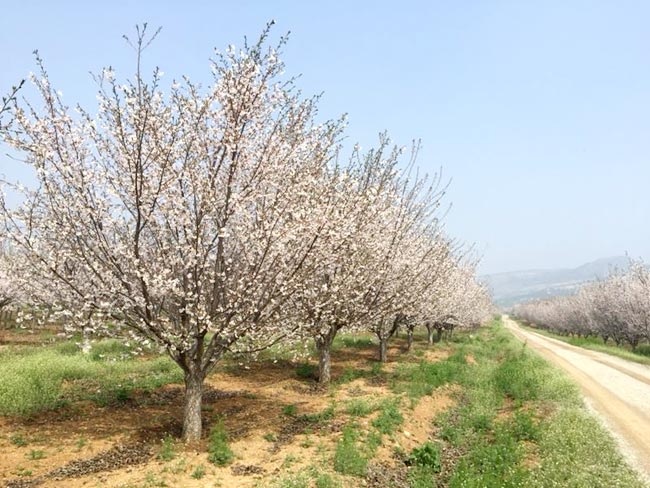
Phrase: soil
(84, 445)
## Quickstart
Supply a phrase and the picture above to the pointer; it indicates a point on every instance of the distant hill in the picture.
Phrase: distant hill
(520, 286)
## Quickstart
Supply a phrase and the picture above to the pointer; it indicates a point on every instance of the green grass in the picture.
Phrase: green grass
(349, 458)
(640, 355)
(198, 472)
(18, 440)
(307, 371)
(357, 341)
(360, 407)
(219, 451)
(426, 456)
(167, 450)
(45, 378)
(290, 410)
(319, 417)
(422, 378)
(520, 422)
(36, 454)
(389, 418)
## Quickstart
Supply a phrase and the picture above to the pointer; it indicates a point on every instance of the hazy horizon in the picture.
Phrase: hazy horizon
(538, 113)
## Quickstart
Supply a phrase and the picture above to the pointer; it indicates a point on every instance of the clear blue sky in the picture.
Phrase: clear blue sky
(538, 110)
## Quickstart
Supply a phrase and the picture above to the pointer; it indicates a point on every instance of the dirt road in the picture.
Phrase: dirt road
(618, 390)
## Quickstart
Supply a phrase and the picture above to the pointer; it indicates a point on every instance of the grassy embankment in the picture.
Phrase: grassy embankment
(639, 355)
(515, 421)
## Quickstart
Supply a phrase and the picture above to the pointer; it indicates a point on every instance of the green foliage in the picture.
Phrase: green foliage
(81, 442)
(290, 410)
(325, 480)
(33, 381)
(219, 451)
(421, 379)
(389, 417)
(270, 437)
(643, 350)
(110, 350)
(36, 454)
(518, 377)
(18, 440)
(350, 374)
(306, 370)
(24, 472)
(167, 449)
(421, 477)
(348, 458)
(198, 472)
(523, 426)
(359, 407)
(297, 480)
(575, 450)
(571, 449)
(427, 455)
(357, 342)
(323, 416)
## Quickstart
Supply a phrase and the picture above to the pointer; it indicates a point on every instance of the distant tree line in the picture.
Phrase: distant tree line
(616, 308)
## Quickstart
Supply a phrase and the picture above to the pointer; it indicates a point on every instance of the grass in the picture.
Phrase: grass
(45, 378)
(348, 457)
(360, 407)
(307, 371)
(36, 454)
(290, 410)
(308, 477)
(80, 443)
(639, 355)
(167, 450)
(198, 472)
(389, 418)
(18, 440)
(520, 422)
(219, 451)
(516, 421)
(421, 379)
(428, 455)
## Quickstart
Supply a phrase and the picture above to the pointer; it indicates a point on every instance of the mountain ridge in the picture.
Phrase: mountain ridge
(512, 287)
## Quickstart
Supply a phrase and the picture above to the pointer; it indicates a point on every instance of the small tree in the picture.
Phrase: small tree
(186, 220)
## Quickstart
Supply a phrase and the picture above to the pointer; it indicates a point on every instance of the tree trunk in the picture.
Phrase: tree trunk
(409, 339)
(324, 346)
(383, 349)
(324, 363)
(429, 335)
(438, 335)
(192, 425)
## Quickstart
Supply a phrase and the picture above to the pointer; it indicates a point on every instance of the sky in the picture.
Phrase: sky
(537, 111)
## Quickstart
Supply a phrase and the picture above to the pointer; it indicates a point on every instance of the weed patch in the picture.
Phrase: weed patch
(219, 451)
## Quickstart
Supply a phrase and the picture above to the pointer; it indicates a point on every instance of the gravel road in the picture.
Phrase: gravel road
(616, 389)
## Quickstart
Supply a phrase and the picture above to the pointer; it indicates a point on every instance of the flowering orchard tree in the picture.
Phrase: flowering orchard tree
(337, 293)
(7, 101)
(616, 308)
(412, 251)
(9, 287)
(186, 219)
(462, 303)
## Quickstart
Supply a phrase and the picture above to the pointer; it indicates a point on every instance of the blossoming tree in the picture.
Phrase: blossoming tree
(185, 219)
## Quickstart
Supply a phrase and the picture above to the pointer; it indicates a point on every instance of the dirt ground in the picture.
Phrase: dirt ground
(616, 389)
(84, 445)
